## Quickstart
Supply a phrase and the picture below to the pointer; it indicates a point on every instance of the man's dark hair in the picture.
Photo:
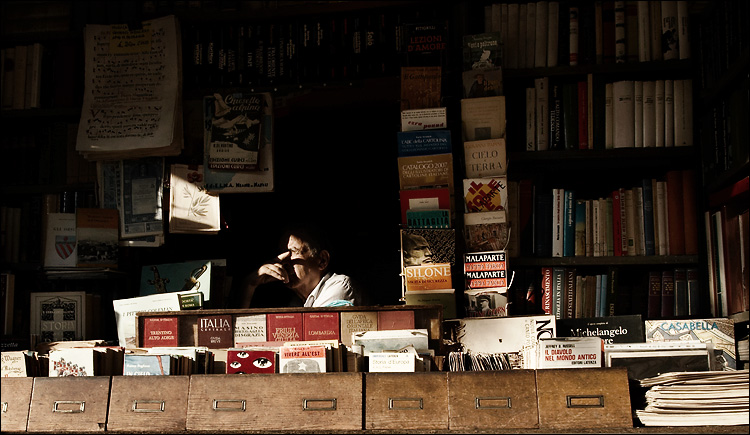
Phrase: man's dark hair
(311, 235)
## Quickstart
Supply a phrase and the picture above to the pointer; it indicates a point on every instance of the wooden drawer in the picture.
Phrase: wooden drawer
(583, 398)
(158, 403)
(16, 397)
(290, 401)
(486, 399)
(406, 400)
(69, 404)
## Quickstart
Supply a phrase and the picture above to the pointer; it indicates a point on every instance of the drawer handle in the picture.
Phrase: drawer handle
(307, 402)
(5, 407)
(217, 402)
(419, 404)
(160, 408)
(81, 405)
(504, 402)
(585, 401)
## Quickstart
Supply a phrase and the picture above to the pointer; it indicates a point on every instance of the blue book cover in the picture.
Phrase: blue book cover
(569, 224)
(424, 142)
(146, 364)
(175, 277)
(648, 216)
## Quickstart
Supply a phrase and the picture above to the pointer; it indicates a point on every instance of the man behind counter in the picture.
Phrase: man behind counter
(304, 268)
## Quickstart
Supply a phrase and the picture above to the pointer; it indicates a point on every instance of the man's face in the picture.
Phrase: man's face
(416, 250)
(303, 269)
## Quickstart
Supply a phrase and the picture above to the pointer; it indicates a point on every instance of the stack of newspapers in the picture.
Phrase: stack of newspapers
(704, 398)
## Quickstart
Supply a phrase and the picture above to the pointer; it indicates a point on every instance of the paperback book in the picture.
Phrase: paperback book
(485, 158)
(357, 321)
(611, 329)
(424, 142)
(421, 87)
(215, 332)
(569, 352)
(424, 119)
(160, 331)
(719, 331)
(486, 270)
(241, 361)
(424, 199)
(302, 359)
(249, 330)
(147, 365)
(234, 133)
(486, 303)
(485, 194)
(483, 118)
(97, 237)
(428, 171)
(486, 231)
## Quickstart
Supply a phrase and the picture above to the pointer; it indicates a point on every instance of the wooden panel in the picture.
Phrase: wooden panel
(16, 398)
(486, 399)
(583, 398)
(406, 400)
(69, 404)
(289, 401)
(158, 403)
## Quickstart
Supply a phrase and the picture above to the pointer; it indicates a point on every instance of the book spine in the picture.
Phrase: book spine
(558, 292)
(693, 292)
(644, 29)
(553, 32)
(669, 30)
(683, 29)
(542, 113)
(681, 299)
(569, 231)
(675, 213)
(589, 228)
(638, 117)
(570, 292)
(558, 217)
(555, 116)
(620, 34)
(640, 242)
(580, 228)
(648, 217)
(583, 127)
(546, 287)
(573, 26)
(630, 222)
(540, 36)
(612, 276)
(623, 107)
(609, 114)
(617, 223)
(531, 139)
(570, 116)
(667, 294)
(668, 113)
(653, 309)
(649, 114)
(659, 111)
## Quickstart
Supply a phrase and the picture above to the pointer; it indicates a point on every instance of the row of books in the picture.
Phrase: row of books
(563, 115)
(674, 293)
(657, 217)
(570, 294)
(21, 81)
(721, 39)
(551, 33)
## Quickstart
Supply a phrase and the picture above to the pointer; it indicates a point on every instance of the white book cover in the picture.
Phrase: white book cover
(668, 113)
(126, 309)
(378, 341)
(192, 209)
(553, 35)
(483, 118)
(669, 30)
(623, 112)
(249, 330)
(638, 103)
(557, 222)
(504, 334)
(485, 158)
(659, 112)
(72, 362)
(424, 119)
(391, 362)
(531, 119)
(649, 114)
(61, 247)
(540, 36)
(609, 119)
(541, 86)
(569, 352)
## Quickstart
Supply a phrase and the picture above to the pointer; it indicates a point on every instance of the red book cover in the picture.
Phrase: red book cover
(216, 331)
(667, 294)
(251, 361)
(424, 199)
(617, 222)
(395, 319)
(547, 290)
(282, 327)
(675, 213)
(321, 326)
(160, 331)
(583, 116)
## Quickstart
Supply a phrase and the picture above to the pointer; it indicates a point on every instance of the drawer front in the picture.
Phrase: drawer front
(293, 401)
(406, 400)
(16, 398)
(583, 398)
(69, 404)
(158, 403)
(486, 399)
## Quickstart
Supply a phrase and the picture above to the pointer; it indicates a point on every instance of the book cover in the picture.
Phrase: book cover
(283, 327)
(126, 309)
(439, 218)
(423, 142)
(482, 83)
(58, 316)
(302, 359)
(569, 222)
(486, 231)
(142, 187)
(485, 194)
(444, 297)
(177, 277)
(356, 321)
(719, 331)
(428, 276)
(579, 229)
(97, 237)
(623, 106)
(395, 319)
(192, 209)
(483, 118)
(146, 365)
(680, 293)
(61, 247)
(611, 329)
(260, 179)
(241, 361)
(504, 334)
(428, 171)
(391, 362)
(486, 303)
(647, 194)
(16, 364)
(435, 118)
(320, 326)
(421, 87)
(485, 158)
(160, 331)
(234, 134)
(427, 246)
(215, 332)
(76, 361)
(249, 330)
(391, 340)
(424, 199)
(667, 294)
(558, 291)
(482, 51)
(425, 43)
(569, 352)
(486, 270)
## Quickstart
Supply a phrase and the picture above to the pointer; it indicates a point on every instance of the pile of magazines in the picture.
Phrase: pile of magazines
(704, 398)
